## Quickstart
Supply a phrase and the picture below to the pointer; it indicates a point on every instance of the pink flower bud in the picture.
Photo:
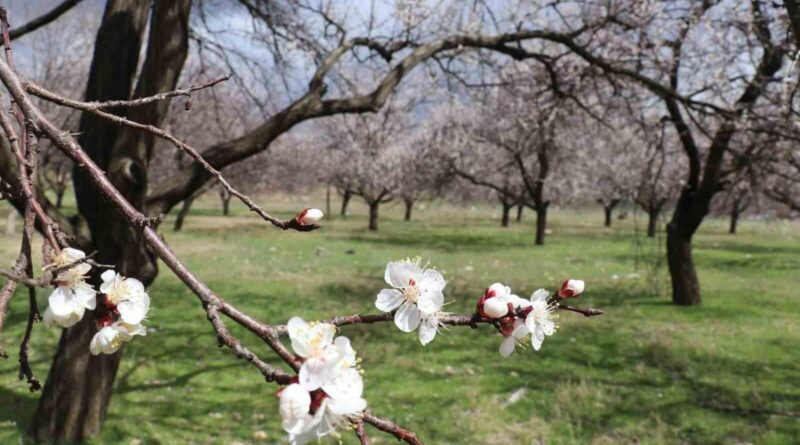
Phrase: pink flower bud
(571, 288)
(309, 217)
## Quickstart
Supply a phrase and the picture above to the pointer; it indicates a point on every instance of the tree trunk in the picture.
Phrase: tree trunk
(520, 207)
(226, 205)
(685, 284)
(652, 222)
(187, 205)
(345, 201)
(506, 214)
(11, 221)
(541, 224)
(734, 221)
(328, 202)
(75, 398)
(409, 205)
(608, 210)
(373, 215)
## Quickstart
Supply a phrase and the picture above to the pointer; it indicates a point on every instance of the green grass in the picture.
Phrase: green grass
(647, 371)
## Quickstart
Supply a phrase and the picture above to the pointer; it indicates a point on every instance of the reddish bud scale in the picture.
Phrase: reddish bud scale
(507, 325)
(316, 400)
(301, 216)
(104, 320)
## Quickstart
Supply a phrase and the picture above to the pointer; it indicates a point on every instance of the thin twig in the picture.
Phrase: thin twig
(392, 428)
(180, 145)
(361, 433)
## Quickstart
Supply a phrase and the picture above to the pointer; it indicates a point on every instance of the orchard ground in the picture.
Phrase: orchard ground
(646, 371)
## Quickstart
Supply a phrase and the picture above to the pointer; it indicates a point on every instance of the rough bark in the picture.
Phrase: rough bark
(225, 198)
(734, 222)
(652, 222)
(409, 205)
(187, 205)
(346, 196)
(520, 208)
(373, 215)
(506, 214)
(226, 206)
(78, 389)
(541, 224)
(685, 284)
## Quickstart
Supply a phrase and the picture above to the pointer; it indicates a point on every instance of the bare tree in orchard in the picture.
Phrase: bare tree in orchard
(528, 131)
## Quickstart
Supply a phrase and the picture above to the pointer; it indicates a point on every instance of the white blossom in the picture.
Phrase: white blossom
(127, 295)
(540, 321)
(72, 296)
(329, 393)
(416, 295)
(110, 338)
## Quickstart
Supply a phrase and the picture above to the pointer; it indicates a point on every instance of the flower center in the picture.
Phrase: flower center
(119, 293)
(411, 292)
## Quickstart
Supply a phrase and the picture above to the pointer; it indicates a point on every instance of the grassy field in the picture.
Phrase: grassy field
(646, 372)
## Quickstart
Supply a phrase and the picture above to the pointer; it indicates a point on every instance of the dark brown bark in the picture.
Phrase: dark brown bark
(520, 208)
(373, 215)
(685, 285)
(187, 205)
(226, 205)
(652, 222)
(541, 224)
(734, 222)
(608, 209)
(346, 196)
(794, 19)
(78, 389)
(506, 214)
(409, 205)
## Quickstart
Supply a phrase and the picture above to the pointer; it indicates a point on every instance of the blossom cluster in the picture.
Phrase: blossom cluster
(518, 318)
(327, 393)
(124, 303)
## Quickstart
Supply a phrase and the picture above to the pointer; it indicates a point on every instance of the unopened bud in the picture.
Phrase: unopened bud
(310, 217)
(495, 307)
(571, 288)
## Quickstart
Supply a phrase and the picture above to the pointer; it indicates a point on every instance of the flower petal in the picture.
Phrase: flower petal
(548, 327)
(537, 339)
(433, 279)
(427, 330)
(507, 346)
(430, 301)
(347, 407)
(400, 273)
(298, 333)
(133, 312)
(62, 302)
(539, 295)
(407, 317)
(312, 374)
(295, 402)
(388, 300)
